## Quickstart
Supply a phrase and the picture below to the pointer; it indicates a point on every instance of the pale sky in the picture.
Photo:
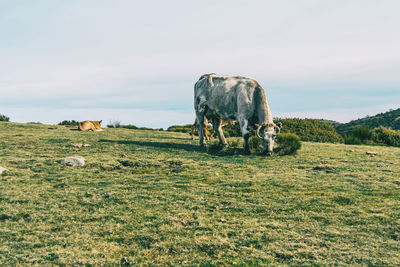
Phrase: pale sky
(137, 61)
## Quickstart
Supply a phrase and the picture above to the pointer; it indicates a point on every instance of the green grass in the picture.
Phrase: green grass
(156, 198)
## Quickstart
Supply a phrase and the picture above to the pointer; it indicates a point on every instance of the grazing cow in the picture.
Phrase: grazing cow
(235, 98)
(206, 121)
(90, 125)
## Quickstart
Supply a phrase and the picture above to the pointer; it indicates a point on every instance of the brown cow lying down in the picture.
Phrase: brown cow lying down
(223, 123)
(90, 125)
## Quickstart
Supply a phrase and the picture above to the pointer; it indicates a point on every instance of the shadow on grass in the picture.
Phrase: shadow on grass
(187, 147)
(210, 149)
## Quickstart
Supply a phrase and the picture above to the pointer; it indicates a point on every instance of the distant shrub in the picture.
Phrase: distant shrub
(69, 123)
(187, 128)
(312, 130)
(288, 143)
(129, 126)
(362, 132)
(4, 118)
(386, 136)
(352, 140)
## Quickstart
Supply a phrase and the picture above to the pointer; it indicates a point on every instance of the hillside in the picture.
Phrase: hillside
(155, 198)
(387, 119)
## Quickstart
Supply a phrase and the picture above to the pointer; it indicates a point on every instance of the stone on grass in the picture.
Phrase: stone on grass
(73, 161)
(77, 145)
(2, 170)
(324, 167)
(371, 153)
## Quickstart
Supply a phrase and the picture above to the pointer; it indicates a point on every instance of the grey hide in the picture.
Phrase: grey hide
(234, 98)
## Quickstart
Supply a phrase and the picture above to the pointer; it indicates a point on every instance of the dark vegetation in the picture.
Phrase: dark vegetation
(310, 130)
(362, 134)
(4, 118)
(288, 143)
(381, 129)
(69, 123)
(390, 119)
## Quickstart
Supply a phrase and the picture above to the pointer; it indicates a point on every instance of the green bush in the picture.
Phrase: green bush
(288, 143)
(255, 143)
(214, 147)
(187, 128)
(362, 132)
(4, 118)
(311, 130)
(69, 123)
(352, 140)
(386, 136)
(234, 143)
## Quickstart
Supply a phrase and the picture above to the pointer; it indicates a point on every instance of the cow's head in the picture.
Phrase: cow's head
(267, 133)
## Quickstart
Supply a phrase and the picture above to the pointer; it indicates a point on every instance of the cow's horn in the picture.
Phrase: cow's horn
(258, 130)
(278, 126)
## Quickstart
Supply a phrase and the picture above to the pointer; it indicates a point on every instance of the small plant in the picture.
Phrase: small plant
(289, 143)
(4, 118)
(234, 143)
(214, 147)
(254, 144)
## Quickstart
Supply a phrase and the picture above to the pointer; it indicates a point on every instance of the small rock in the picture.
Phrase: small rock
(77, 145)
(222, 220)
(125, 262)
(2, 170)
(86, 145)
(371, 153)
(325, 167)
(73, 161)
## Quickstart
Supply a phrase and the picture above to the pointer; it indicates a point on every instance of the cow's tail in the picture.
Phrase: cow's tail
(80, 126)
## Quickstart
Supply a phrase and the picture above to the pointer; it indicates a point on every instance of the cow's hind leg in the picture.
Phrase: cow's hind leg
(218, 128)
(205, 130)
(200, 124)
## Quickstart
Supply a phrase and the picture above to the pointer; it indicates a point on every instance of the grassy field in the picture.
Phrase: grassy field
(155, 198)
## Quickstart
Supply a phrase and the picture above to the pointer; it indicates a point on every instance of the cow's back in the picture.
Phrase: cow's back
(228, 96)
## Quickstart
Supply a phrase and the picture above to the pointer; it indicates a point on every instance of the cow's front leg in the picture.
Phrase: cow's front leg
(245, 133)
(218, 128)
